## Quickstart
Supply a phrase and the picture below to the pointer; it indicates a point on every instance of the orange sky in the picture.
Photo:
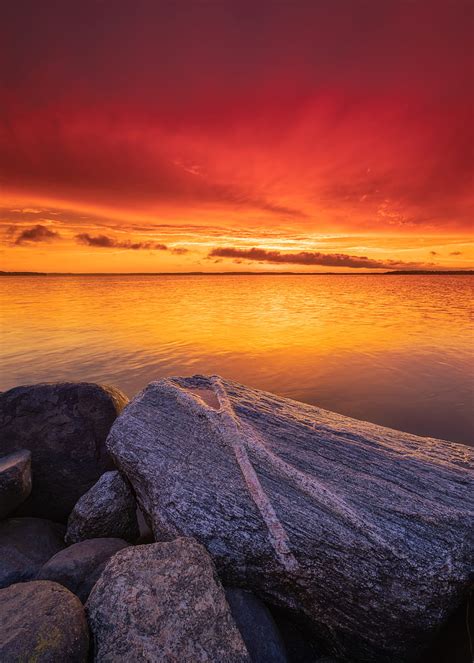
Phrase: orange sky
(236, 136)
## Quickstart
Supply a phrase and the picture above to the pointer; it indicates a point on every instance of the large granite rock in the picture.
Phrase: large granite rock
(15, 480)
(257, 628)
(108, 509)
(25, 545)
(80, 566)
(162, 602)
(364, 531)
(42, 622)
(64, 426)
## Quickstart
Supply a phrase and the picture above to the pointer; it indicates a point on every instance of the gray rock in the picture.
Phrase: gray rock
(162, 602)
(25, 545)
(80, 566)
(64, 426)
(15, 481)
(42, 622)
(108, 509)
(364, 531)
(256, 626)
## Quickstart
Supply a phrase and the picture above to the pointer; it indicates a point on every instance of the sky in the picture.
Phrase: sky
(236, 136)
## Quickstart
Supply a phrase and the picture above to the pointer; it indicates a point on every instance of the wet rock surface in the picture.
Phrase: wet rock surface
(25, 545)
(256, 626)
(80, 566)
(108, 509)
(64, 426)
(15, 481)
(42, 622)
(362, 531)
(163, 602)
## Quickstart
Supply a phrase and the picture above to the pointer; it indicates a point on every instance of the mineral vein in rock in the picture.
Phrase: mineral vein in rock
(236, 438)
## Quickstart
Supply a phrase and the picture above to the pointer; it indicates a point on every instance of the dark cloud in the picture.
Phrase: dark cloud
(37, 233)
(456, 253)
(434, 253)
(309, 258)
(105, 242)
(179, 251)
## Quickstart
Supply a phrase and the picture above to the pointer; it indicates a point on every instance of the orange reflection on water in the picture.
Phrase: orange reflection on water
(396, 350)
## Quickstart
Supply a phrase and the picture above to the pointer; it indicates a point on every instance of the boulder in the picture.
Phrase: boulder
(64, 426)
(108, 509)
(79, 567)
(15, 481)
(256, 626)
(364, 532)
(42, 622)
(163, 602)
(25, 545)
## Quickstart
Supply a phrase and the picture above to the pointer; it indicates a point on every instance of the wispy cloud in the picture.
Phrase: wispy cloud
(105, 242)
(308, 258)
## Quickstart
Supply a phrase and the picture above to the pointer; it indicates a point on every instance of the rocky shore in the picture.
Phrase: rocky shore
(208, 522)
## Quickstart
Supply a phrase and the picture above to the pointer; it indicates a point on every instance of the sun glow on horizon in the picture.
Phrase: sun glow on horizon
(216, 139)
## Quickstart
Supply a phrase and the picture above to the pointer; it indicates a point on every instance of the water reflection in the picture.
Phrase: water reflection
(393, 350)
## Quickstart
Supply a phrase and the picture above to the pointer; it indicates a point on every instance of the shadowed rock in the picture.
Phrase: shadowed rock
(79, 567)
(42, 622)
(25, 545)
(256, 625)
(108, 509)
(64, 426)
(163, 602)
(363, 531)
(15, 481)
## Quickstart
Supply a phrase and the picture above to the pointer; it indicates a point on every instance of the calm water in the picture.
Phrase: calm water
(393, 350)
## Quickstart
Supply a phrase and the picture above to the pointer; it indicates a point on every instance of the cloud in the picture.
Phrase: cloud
(37, 233)
(179, 251)
(434, 253)
(309, 258)
(105, 242)
(456, 253)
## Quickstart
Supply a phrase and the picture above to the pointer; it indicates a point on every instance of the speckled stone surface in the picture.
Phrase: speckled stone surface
(64, 425)
(15, 480)
(108, 509)
(80, 566)
(365, 532)
(42, 622)
(25, 545)
(163, 602)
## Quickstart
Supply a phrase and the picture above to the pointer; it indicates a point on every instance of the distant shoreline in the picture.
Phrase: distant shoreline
(458, 272)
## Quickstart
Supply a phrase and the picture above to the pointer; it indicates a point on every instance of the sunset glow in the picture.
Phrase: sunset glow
(228, 137)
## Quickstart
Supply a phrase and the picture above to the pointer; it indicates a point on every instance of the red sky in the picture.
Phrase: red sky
(176, 136)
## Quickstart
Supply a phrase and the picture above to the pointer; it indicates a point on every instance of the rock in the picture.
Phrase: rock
(64, 426)
(363, 531)
(25, 545)
(42, 622)
(15, 481)
(163, 602)
(256, 626)
(80, 566)
(454, 642)
(108, 509)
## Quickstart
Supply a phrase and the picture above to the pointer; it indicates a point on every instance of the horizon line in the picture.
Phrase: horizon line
(244, 273)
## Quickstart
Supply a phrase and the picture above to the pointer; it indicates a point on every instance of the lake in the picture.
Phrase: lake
(394, 350)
